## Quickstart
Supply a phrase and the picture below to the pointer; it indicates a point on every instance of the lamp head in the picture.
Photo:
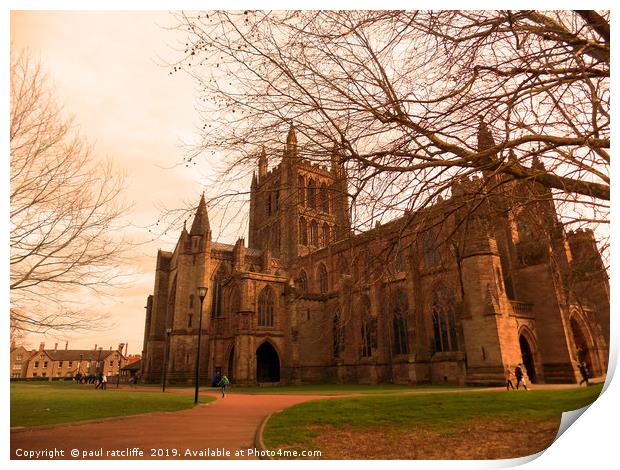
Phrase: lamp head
(202, 292)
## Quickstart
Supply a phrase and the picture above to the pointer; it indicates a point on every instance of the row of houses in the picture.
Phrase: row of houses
(63, 363)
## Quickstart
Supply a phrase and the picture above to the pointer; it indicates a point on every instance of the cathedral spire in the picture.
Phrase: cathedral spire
(200, 226)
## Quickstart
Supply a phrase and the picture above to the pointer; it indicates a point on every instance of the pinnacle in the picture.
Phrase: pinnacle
(485, 138)
(200, 226)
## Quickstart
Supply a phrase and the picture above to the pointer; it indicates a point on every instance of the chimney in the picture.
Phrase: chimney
(95, 346)
(55, 346)
(110, 348)
(120, 347)
(41, 346)
(66, 345)
(126, 348)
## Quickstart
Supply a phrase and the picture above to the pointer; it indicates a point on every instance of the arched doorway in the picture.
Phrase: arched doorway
(583, 351)
(231, 364)
(267, 363)
(528, 358)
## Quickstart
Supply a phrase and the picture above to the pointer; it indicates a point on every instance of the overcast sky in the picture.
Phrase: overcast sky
(108, 71)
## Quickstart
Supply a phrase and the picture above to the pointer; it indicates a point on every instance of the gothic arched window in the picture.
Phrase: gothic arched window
(431, 254)
(323, 280)
(311, 199)
(366, 266)
(399, 324)
(314, 233)
(216, 295)
(369, 329)
(301, 190)
(302, 281)
(324, 197)
(234, 300)
(172, 297)
(265, 307)
(397, 258)
(191, 301)
(444, 320)
(303, 231)
(338, 335)
(325, 232)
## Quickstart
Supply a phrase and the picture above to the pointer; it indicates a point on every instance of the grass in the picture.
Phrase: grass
(335, 389)
(445, 413)
(37, 404)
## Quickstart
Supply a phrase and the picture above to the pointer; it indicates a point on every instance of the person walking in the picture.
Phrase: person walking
(215, 380)
(223, 383)
(583, 370)
(104, 381)
(509, 376)
(98, 381)
(520, 377)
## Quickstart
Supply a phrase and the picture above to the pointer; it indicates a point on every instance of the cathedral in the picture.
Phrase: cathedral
(452, 293)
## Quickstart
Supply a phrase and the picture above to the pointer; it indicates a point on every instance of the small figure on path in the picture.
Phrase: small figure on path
(215, 380)
(520, 377)
(104, 382)
(583, 370)
(223, 383)
(509, 376)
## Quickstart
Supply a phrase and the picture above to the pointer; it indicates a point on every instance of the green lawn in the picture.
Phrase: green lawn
(303, 426)
(36, 404)
(335, 389)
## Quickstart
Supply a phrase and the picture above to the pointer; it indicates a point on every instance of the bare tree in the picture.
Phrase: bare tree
(65, 212)
(404, 95)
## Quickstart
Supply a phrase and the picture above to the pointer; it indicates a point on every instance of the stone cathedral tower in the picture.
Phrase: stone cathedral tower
(298, 206)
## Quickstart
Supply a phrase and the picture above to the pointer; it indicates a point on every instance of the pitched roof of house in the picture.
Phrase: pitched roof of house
(78, 354)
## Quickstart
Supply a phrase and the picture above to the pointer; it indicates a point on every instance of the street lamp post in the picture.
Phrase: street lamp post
(202, 293)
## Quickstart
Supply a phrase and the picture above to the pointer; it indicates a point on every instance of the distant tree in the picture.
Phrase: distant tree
(65, 209)
(402, 95)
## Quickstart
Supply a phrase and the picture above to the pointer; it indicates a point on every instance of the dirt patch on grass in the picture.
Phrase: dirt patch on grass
(488, 439)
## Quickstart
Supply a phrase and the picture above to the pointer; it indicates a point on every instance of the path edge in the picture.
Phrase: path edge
(258, 439)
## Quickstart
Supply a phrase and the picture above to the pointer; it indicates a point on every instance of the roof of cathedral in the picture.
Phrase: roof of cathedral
(226, 247)
(200, 226)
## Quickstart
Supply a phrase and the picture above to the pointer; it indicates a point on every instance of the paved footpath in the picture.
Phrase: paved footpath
(230, 423)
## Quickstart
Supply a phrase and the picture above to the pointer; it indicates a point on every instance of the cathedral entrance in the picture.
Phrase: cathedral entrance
(528, 358)
(231, 364)
(267, 363)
